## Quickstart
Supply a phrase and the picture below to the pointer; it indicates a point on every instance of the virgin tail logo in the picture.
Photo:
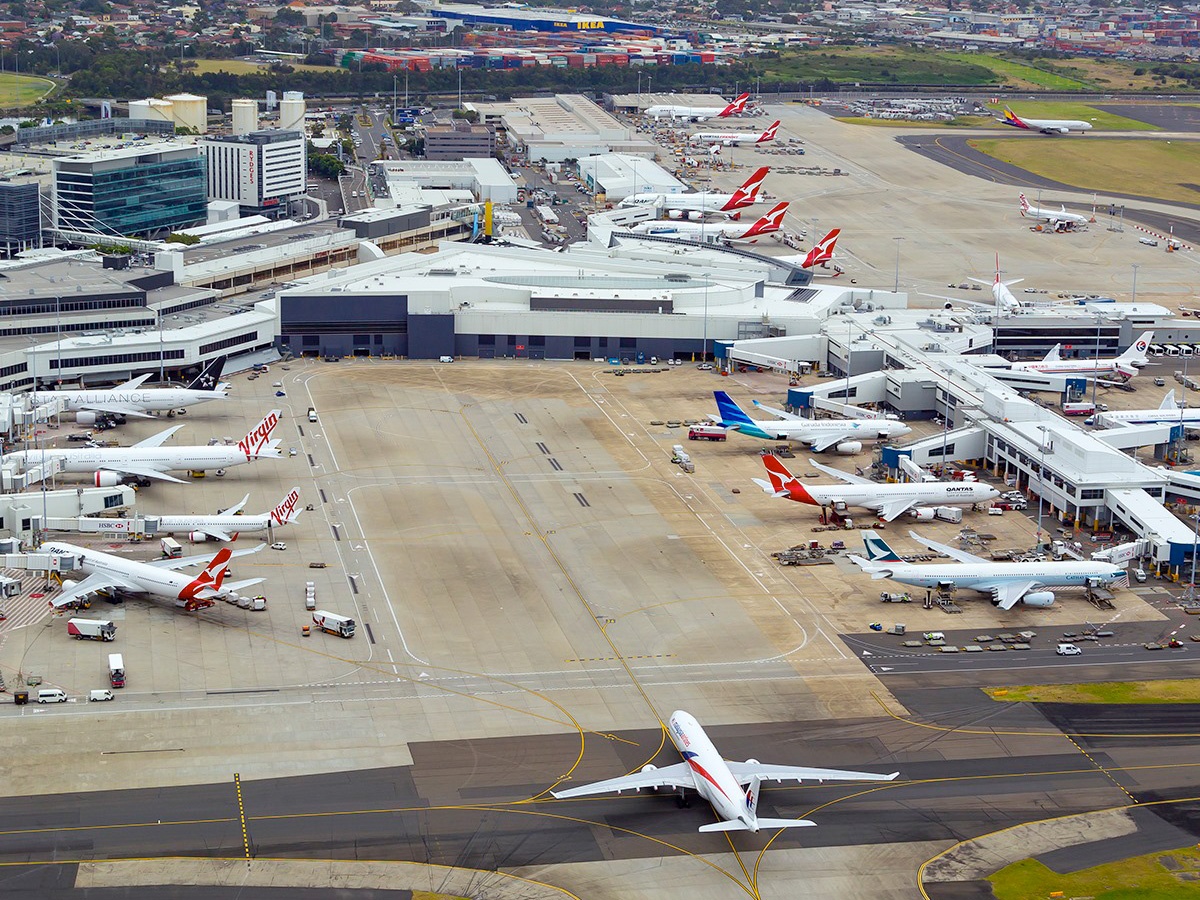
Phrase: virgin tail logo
(1024, 206)
(737, 106)
(254, 443)
(769, 134)
(747, 194)
(772, 221)
(822, 251)
(286, 511)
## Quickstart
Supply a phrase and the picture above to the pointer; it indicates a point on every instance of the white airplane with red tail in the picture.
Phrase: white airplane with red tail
(705, 201)
(228, 524)
(735, 139)
(821, 253)
(717, 232)
(700, 113)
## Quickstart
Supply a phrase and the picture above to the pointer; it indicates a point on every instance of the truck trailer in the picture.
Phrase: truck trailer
(332, 623)
(116, 670)
(91, 629)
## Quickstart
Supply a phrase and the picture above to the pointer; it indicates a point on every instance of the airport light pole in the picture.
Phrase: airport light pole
(1195, 540)
(1096, 373)
(896, 289)
(1133, 299)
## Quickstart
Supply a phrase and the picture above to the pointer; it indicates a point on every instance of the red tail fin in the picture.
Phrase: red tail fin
(772, 221)
(211, 577)
(737, 106)
(781, 479)
(769, 134)
(1024, 205)
(747, 194)
(822, 251)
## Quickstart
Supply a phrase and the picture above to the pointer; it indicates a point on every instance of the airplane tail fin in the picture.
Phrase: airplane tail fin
(209, 377)
(878, 549)
(1137, 350)
(1053, 355)
(1011, 118)
(1169, 401)
(209, 580)
(752, 790)
(288, 510)
(778, 473)
(747, 192)
(738, 825)
(729, 413)
(1024, 204)
(768, 134)
(257, 443)
(738, 105)
(772, 221)
(822, 251)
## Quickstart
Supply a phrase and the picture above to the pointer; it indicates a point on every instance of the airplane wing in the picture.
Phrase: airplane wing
(157, 440)
(119, 409)
(1009, 594)
(218, 534)
(133, 384)
(889, 511)
(825, 441)
(776, 412)
(838, 473)
(91, 585)
(679, 775)
(746, 771)
(182, 562)
(143, 471)
(230, 587)
(236, 508)
(959, 555)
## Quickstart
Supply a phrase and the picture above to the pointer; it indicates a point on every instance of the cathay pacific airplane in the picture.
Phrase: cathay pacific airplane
(731, 787)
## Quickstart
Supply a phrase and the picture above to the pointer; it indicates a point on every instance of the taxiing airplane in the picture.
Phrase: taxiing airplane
(1126, 364)
(228, 524)
(731, 787)
(733, 138)
(886, 500)
(846, 435)
(1009, 583)
(1060, 219)
(717, 232)
(705, 201)
(1045, 126)
(150, 459)
(699, 113)
(107, 573)
(1168, 413)
(131, 399)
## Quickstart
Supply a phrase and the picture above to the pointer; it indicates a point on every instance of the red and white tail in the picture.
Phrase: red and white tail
(822, 251)
(781, 478)
(769, 134)
(772, 221)
(747, 194)
(258, 442)
(737, 106)
(209, 579)
(1024, 205)
(288, 510)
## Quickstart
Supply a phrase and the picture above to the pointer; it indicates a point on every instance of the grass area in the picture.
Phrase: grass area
(22, 90)
(957, 122)
(246, 67)
(1166, 691)
(898, 65)
(1167, 170)
(1020, 74)
(1118, 74)
(1155, 876)
(1055, 109)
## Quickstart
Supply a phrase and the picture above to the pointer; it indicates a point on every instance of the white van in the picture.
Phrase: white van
(100, 695)
(52, 695)
(1068, 650)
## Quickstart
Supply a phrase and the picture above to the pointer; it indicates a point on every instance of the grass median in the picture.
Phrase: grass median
(1166, 691)
(1172, 875)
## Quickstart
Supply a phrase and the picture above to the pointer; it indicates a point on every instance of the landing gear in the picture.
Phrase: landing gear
(682, 800)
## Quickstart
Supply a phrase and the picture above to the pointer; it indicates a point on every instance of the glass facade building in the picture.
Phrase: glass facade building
(20, 217)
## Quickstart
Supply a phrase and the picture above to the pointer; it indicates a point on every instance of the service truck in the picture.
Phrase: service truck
(334, 624)
(312, 414)
(91, 629)
(171, 548)
(706, 433)
(1078, 409)
(116, 670)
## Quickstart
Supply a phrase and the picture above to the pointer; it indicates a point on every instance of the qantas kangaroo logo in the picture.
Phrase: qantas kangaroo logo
(747, 194)
(783, 480)
(283, 513)
(822, 251)
(772, 221)
(737, 106)
(211, 577)
(253, 443)
(769, 134)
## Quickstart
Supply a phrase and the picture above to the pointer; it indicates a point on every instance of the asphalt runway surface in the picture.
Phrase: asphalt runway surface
(1167, 116)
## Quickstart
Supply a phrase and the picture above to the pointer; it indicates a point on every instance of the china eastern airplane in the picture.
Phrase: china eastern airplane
(149, 459)
(886, 500)
(705, 201)
(1008, 583)
(1126, 364)
(228, 524)
(1057, 218)
(1045, 126)
(699, 113)
(131, 399)
(734, 138)
(717, 232)
(108, 574)
(846, 434)
(731, 787)
(1168, 412)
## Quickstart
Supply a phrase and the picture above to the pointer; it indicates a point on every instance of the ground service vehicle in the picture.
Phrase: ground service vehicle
(312, 414)
(52, 695)
(171, 548)
(342, 626)
(706, 433)
(116, 670)
(1078, 409)
(91, 629)
(1068, 650)
(310, 595)
(101, 694)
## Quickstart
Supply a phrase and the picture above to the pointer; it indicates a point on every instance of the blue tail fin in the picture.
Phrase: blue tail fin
(877, 548)
(731, 414)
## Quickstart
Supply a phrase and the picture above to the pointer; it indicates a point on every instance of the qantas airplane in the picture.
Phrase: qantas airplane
(886, 500)
(731, 787)
(1126, 364)
(228, 524)
(733, 138)
(705, 201)
(821, 253)
(1168, 412)
(1045, 126)
(1060, 219)
(717, 232)
(700, 113)
(107, 573)
(846, 434)
(149, 459)
(1008, 583)
(131, 399)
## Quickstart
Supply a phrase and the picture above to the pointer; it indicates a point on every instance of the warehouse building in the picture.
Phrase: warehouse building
(555, 129)
(541, 19)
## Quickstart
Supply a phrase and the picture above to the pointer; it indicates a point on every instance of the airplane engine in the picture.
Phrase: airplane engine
(1039, 598)
(649, 767)
(923, 514)
(848, 448)
(69, 585)
(674, 213)
(947, 305)
(695, 215)
(197, 537)
(85, 418)
(753, 762)
(106, 479)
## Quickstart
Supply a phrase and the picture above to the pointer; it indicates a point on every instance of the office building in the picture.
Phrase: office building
(459, 141)
(20, 217)
(260, 171)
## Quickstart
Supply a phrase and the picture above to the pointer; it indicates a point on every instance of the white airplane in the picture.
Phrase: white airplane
(131, 399)
(1045, 126)
(731, 787)
(821, 253)
(699, 113)
(1060, 219)
(228, 524)
(717, 232)
(107, 573)
(1126, 364)
(1008, 583)
(705, 201)
(733, 138)
(1168, 412)
(846, 434)
(886, 500)
(149, 459)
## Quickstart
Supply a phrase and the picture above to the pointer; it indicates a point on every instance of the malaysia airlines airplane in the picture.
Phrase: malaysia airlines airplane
(846, 434)
(107, 573)
(1168, 412)
(886, 500)
(1045, 126)
(1059, 219)
(731, 787)
(228, 524)
(1126, 364)
(149, 459)
(1008, 583)
(700, 113)
(717, 232)
(705, 201)
(734, 138)
(131, 399)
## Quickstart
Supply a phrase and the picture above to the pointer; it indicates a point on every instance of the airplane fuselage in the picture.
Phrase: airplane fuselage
(701, 202)
(714, 782)
(145, 399)
(163, 459)
(814, 430)
(229, 524)
(162, 583)
(1149, 417)
(876, 495)
(968, 575)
